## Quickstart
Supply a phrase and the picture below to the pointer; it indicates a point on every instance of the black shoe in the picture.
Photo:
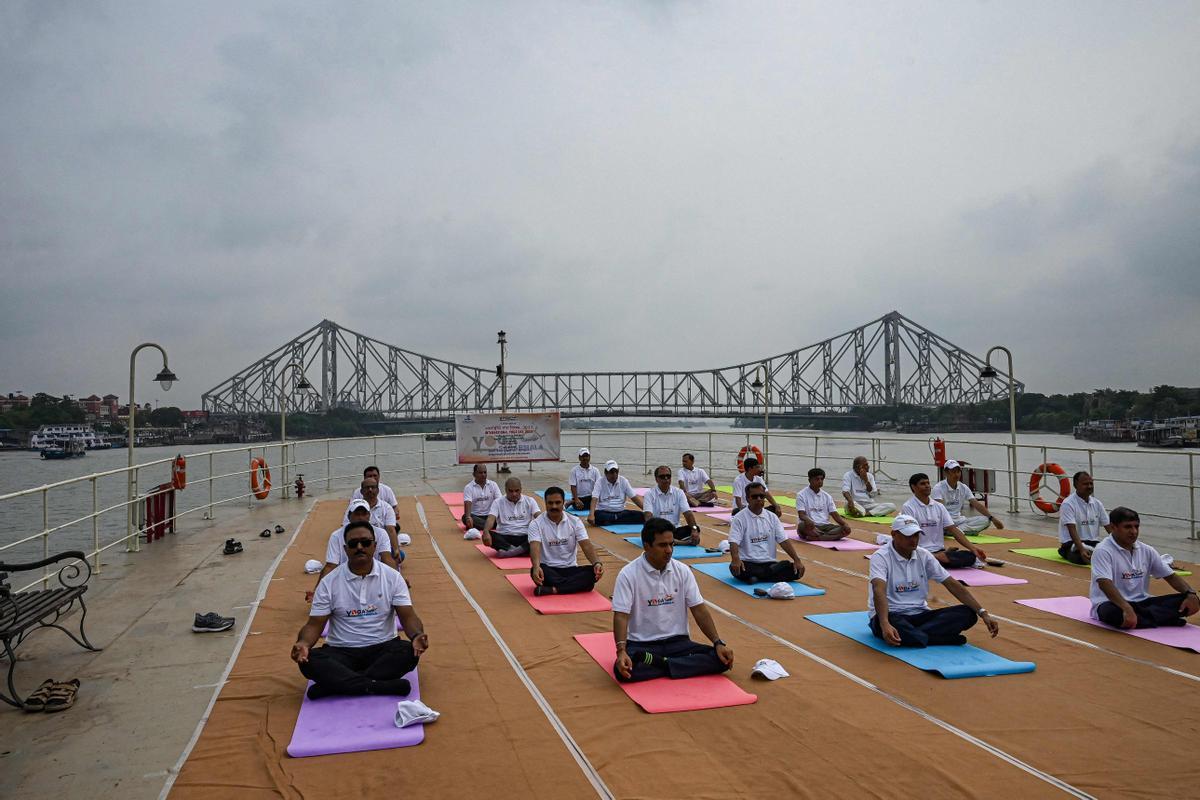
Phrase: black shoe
(761, 593)
(266, 533)
(232, 546)
(278, 529)
(212, 622)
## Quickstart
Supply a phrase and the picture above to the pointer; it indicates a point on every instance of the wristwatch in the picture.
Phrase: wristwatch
(719, 643)
(981, 612)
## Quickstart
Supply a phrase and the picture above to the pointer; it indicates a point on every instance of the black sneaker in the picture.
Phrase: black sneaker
(278, 530)
(212, 622)
(232, 546)
(265, 533)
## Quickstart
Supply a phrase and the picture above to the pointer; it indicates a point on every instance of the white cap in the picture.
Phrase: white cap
(610, 465)
(771, 670)
(906, 525)
(952, 464)
(583, 451)
(312, 565)
(411, 712)
(781, 591)
(355, 505)
(724, 545)
(472, 534)
(403, 538)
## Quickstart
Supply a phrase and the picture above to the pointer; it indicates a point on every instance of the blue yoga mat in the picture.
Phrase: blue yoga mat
(963, 661)
(720, 571)
(623, 529)
(681, 550)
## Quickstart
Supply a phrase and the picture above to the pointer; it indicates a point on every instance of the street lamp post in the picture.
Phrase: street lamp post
(989, 372)
(759, 386)
(166, 379)
(303, 385)
(502, 340)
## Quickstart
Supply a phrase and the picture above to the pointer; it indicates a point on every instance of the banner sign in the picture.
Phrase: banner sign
(485, 438)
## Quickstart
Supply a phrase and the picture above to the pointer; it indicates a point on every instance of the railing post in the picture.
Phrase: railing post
(711, 465)
(645, 453)
(1091, 468)
(137, 482)
(328, 474)
(375, 449)
(423, 475)
(95, 529)
(1192, 490)
(250, 494)
(1012, 478)
(816, 447)
(209, 514)
(45, 537)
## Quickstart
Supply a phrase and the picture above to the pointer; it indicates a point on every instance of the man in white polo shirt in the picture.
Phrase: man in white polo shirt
(507, 527)
(699, 488)
(650, 606)
(478, 496)
(382, 515)
(1121, 571)
(385, 492)
(752, 474)
(860, 491)
(553, 539)
(899, 577)
(670, 503)
(360, 600)
(935, 523)
(1080, 520)
(608, 500)
(584, 478)
(819, 519)
(753, 536)
(958, 498)
(335, 550)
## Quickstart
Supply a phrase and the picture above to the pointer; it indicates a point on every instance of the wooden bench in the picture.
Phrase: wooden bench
(21, 613)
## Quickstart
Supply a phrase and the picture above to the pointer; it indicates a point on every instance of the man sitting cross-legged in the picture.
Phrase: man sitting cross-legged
(699, 488)
(899, 576)
(958, 499)
(608, 499)
(935, 523)
(1121, 571)
(335, 550)
(478, 496)
(360, 600)
(753, 474)
(553, 538)
(670, 503)
(507, 526)
(650, 606)
(1081, 518)
(819, 519)
(861, 491)
(753, 535)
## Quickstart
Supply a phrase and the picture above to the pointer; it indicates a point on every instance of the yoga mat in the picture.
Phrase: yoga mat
(516, 562)
(559, 603)
(983, 577)
(957, 661)
(717, 513)
(452, 498)
(783, 501)
(353, 724)
(1051, 554)
(455, 511)
(618, 529)
(879, 520)
(1186, 637)
(842, 545)
(720, 571)
(663, 695)
(982, 538)
(681, 550)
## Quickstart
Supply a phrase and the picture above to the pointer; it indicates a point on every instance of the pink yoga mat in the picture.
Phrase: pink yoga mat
(353, 724)
(452, 498)
(719, 513)
(516, 562)
(983, 577)
(455, 511)
(842, 545)
(662, 695)
(559, 603)
(1186, 637)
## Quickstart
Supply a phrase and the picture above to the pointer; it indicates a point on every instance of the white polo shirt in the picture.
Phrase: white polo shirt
(1129, 572)
(756, 536)
(817, 505)
(693, 479)
(907, 579)
(361, 610)
(668, 505)
(1088, 516)
(584, 480)
(957, 499)
(482, 497)
(514, 518)
(857, 487)
(335, 551)
(741, 482)
(933, 518)
(611, 496)
(656, 602)
(559, 541)
(386, 495)
(382, 515)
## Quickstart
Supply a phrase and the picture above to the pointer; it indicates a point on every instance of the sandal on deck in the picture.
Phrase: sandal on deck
(37, 700)
(266, 533)
(278, 530)
(62, 695)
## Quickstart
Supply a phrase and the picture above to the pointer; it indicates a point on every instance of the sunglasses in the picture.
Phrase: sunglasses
(663, 477)
(360, 544)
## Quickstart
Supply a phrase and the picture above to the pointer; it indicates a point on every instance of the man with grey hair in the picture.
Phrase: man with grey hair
(860, 490)
(507, 526)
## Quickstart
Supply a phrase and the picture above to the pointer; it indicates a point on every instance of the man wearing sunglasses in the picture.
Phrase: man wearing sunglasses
(753, 536)
(382, 515)
(335, 551)
(360, 600)
(670, 503)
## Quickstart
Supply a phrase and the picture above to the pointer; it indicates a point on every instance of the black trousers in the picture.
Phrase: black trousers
(940, 626)
(766, 571)
(569, 580)
(957, 558)
(354, 670)
(504, 542)
(774, 509)
(684, 659)
(587, 502)
(1153, 612)
(624, 517)
(1068, 551)
(684, 534)
(478, 521)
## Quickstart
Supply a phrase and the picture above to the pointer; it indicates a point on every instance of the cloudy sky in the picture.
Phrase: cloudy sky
(617, 185)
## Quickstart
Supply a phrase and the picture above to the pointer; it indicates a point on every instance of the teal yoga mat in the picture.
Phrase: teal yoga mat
(623, 529)
(1051, 554)
(681, 550)
(963, 661)
(720, 571)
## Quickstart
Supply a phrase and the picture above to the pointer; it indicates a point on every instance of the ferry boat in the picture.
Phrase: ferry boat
(1105, 430)
(48, 435)
(63, 448)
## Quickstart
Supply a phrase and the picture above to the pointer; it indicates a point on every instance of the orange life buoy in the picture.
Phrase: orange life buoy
(179, 473)
(747, 450)
(260, 465)
(1037, 480)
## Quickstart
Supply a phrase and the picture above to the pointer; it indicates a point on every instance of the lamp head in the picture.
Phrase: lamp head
(500, 338)
(166, 379)
(757, 385)
(303, 384)
(988, 372)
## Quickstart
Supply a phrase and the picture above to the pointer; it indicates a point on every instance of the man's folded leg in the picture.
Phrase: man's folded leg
(568, 580)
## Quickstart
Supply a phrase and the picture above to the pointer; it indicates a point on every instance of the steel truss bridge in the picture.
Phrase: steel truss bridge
(886, 362)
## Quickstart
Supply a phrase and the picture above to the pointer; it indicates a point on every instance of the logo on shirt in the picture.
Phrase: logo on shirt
(761, 537)
(667, 599)
(904, 588)
(557, 542)
(1131, 574)
(369, 610)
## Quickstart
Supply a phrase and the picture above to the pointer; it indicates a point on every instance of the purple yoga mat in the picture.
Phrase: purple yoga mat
(1186, 637)
(353, 724)
(983, 577)
(841, 544)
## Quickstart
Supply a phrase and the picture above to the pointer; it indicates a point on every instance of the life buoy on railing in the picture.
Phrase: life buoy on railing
(179, 473)
(748, 449)
(260, 488)
(1037, 479)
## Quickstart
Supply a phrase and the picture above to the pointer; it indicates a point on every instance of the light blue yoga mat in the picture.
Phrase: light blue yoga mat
(720, 571)
(623, 529)
(962, 661)
(681, 550)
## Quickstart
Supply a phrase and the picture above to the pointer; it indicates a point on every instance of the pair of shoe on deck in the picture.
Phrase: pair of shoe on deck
(53, 695)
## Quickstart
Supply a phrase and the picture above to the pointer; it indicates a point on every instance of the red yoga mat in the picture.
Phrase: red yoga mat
(452, 498)
(516, 562)
(559, 603)
(663, 695)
